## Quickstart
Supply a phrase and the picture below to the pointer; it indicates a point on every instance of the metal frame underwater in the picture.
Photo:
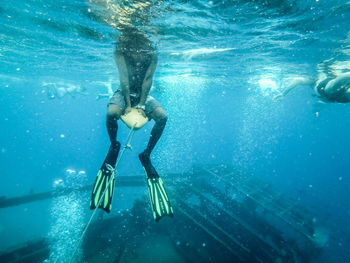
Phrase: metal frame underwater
(221, 215)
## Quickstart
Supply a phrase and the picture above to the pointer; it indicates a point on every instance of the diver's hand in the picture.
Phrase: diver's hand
(127, 110)
(141, 109)
(142, 112)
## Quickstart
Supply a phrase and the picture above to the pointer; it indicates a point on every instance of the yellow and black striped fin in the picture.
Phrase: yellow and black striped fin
(103, 189)
(159, 199)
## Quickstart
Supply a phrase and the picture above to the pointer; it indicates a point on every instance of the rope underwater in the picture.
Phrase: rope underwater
(127, 145)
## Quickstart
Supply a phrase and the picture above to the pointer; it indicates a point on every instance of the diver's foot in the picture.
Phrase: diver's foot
(113, 152)
(146, 163)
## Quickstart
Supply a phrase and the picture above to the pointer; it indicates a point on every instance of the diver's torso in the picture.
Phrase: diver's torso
(137, 66)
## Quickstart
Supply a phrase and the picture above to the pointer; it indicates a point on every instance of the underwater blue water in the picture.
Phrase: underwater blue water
(220, 65)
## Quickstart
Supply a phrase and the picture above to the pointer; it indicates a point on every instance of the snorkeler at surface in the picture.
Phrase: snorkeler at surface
(334, 89)
(136, 60)
(330, 89)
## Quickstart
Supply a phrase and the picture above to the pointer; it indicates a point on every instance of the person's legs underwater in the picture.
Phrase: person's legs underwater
(103, 189)
(113, 114)
(160, 117)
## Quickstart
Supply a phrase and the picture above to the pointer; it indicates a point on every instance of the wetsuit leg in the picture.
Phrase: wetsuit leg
(160, 118)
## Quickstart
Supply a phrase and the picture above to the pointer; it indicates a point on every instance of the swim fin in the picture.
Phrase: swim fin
(102, 192)
(159, 199)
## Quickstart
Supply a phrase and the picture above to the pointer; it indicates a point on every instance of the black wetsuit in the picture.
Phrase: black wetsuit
(337, 96)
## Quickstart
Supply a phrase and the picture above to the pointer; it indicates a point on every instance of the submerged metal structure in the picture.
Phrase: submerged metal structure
(250, 220)
(221, 215)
